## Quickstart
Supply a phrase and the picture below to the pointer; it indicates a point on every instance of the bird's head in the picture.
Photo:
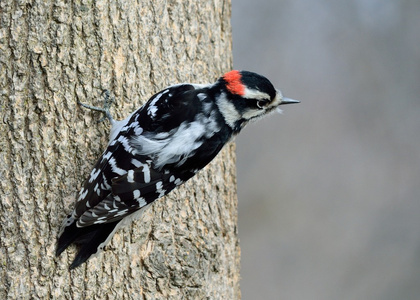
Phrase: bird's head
(248, 96)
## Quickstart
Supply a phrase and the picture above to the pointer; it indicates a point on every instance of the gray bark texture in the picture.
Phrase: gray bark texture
(56, 52)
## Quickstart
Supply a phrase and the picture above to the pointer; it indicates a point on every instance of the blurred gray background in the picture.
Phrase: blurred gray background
(329, 191)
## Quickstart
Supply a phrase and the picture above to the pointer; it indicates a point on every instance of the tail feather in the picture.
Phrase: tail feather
(91, 238)
(70, 234)
(95, 244)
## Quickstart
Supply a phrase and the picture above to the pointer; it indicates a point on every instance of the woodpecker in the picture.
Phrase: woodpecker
(159, 147)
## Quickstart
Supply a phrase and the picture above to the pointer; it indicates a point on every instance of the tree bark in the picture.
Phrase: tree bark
(54, 53)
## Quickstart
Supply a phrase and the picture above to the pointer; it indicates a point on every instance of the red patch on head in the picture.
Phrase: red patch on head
(234, 83)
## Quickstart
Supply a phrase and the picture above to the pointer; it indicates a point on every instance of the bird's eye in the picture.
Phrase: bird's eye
(262, 103)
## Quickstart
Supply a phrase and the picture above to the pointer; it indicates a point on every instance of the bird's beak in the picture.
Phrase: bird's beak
(288, 101)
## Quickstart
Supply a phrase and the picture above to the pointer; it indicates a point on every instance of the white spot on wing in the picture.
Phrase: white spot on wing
(127, 147)
(121, 213)
(97, 189)
(115, 168)
(138, 130)
(146, 172)
(136, 163)
(82, 194)
(146, 169)
(105, 183)
(106, 156)
(152, 109)
(136, 194)
(141, 202)
(159, 189)
(115, 207)
(130, 176)
(94, 174)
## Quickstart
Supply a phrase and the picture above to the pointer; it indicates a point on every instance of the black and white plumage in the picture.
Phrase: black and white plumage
(160, 146)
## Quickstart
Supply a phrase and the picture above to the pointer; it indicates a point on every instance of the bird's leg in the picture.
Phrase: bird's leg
(108, 100)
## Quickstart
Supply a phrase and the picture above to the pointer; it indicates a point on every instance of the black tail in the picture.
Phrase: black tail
(90, 238)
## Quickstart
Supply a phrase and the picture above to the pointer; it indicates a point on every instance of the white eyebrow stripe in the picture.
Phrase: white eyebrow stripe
(255, 94)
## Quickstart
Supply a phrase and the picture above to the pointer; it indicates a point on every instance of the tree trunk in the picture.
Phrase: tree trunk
(54, 53)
